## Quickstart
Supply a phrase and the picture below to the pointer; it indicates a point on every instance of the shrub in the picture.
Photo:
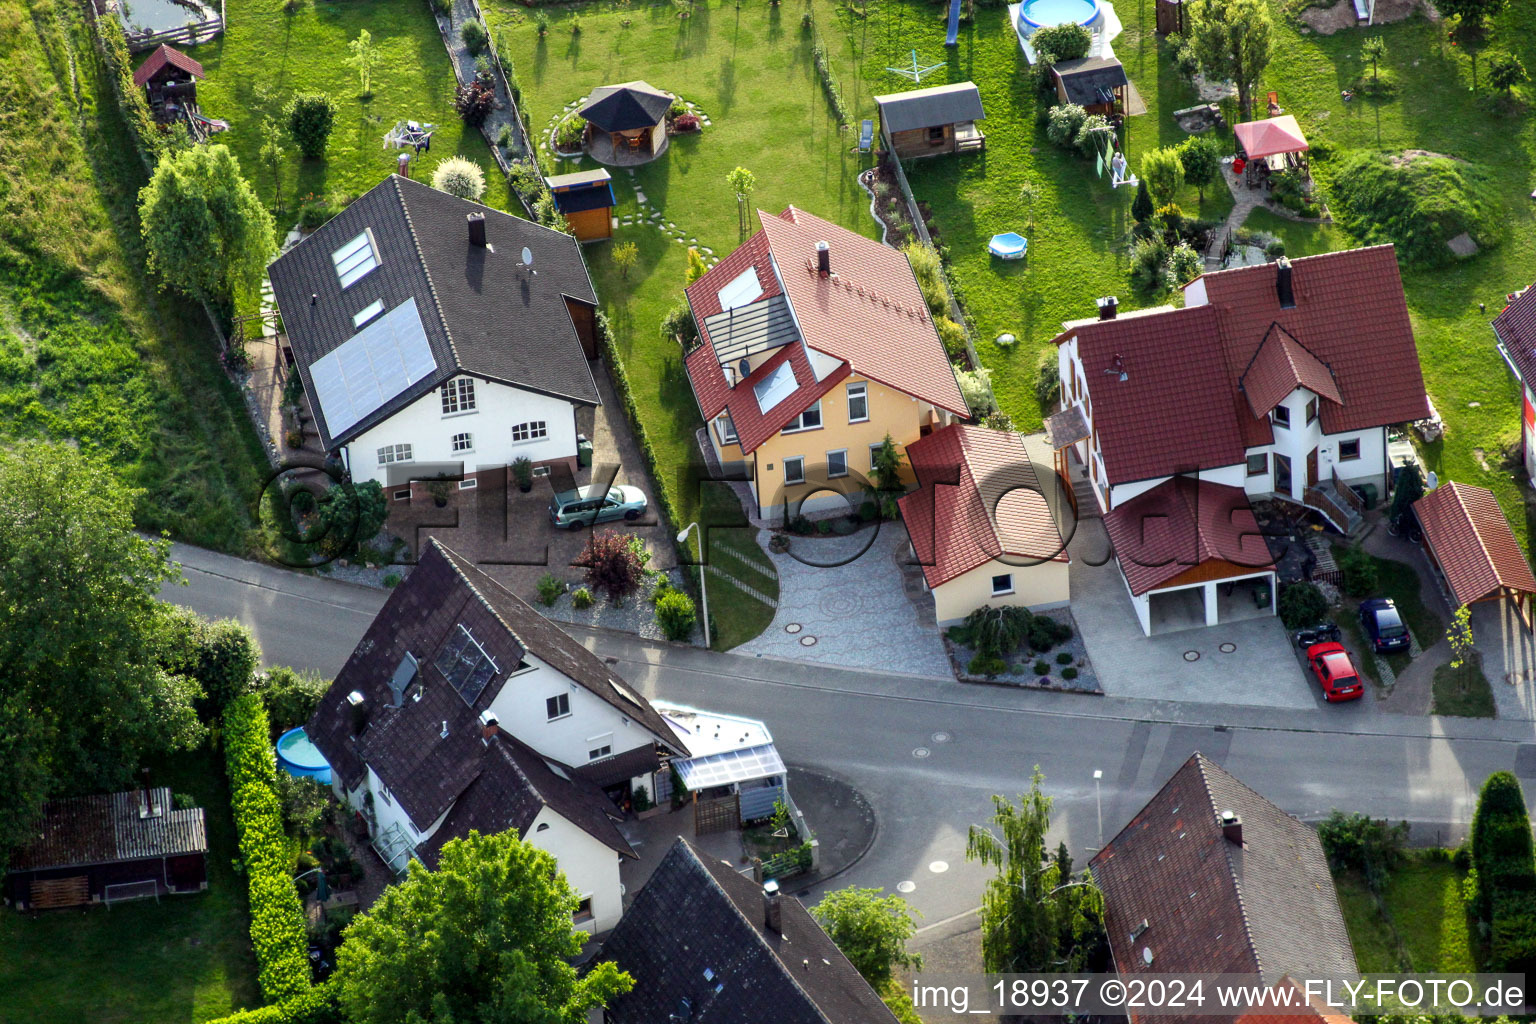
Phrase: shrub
(348, 516)
(459, 177)
(290, 696)
(994, 631)
(1149, 265)
(1172, 216)
(575, 24)
(1200, 156)
(1505, 71)
(1274, 249)
(317, 1006)
(613, 563)
(541, 24)
(550, 588)
(310, 116)
(1184, 263)
(988, 667)
(1358, 842)
(676, 616)
(504, 137)
(976, 387)
(1065, 42)
(1064, 658)
(1091, 136)
(474, 102)
(686, 122)
(1163, 172)
(1042, 667)
(679, 323)
(829, 85)
(1045, 633)
(442, 8)
(1141, 206)
(1047, 379)
(304, 804)
(1301, 604)
(678, 107)
(1419, 204)
(1505, 893)
(1063, 123)
(1358, 570)
(1069, 673)
(929, 270)
(474, 35)
(581, 598)
(953, 337)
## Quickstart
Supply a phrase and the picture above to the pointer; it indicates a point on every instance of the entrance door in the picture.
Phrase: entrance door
(1312, 468)
(1283, 474)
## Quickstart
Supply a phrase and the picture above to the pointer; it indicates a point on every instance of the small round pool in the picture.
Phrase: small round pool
(297, 756)
(1046, 13)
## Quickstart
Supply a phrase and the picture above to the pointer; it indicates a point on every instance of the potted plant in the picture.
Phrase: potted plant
(439, 491)
(522, 471)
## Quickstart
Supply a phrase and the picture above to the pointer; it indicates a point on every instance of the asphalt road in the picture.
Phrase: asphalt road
(929, 754)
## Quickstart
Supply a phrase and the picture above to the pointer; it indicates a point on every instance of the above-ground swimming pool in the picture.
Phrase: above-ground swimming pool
(297, 756)
(1046, 13)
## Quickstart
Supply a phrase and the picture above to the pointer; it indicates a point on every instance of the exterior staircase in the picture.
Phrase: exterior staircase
(1339, 505)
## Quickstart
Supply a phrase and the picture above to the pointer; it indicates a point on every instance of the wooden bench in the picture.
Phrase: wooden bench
(54, 893)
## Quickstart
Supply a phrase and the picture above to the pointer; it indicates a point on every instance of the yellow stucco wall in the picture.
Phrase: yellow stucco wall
(1034, 586)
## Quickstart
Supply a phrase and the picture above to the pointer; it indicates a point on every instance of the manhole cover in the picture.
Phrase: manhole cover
(908, 886)
(1525, 760)
(1227, 648)
(938, 867)
(921, 752)
(1191, 655)
(793, 627)
(807, 641)
(941, 737)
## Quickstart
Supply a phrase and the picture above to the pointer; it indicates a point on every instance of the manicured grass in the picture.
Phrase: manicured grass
(1463, 692)
(1424, 927)
(182, 960)
(266, 55)
(88, 351)
(1375, 946)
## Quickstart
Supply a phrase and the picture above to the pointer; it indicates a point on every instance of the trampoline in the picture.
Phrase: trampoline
(1010, 245)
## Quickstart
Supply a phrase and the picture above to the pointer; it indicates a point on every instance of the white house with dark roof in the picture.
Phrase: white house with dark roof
(435, 336)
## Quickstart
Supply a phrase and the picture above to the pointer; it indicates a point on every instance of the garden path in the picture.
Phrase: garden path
(1244, 201)
(504, 114)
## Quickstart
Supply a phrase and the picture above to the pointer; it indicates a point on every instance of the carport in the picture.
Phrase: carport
(1469, 542)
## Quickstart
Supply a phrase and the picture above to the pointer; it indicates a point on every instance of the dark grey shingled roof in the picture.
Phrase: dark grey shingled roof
(106, 828)
(697, 915)
(482, 314)
(1087, 78)
(924, 108)
(626, 106)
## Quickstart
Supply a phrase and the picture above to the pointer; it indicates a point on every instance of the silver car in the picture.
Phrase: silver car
(590, 505)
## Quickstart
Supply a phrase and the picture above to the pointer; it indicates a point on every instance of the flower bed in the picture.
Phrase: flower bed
(1021, 663)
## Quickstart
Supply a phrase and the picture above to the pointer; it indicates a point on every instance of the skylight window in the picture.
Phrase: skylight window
(775, 387)
(742, 289)
(354, 260)
(367, 313)
(466, 666)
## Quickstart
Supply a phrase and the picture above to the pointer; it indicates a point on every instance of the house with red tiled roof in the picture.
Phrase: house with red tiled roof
(814, 344)
(982, 524)
(1515, 330)
(1469, 540)
(1276, 381)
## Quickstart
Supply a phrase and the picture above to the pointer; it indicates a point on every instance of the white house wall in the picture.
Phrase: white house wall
(1232, 476)
(591, 868)
(1300, 438)
(520, 710)
(429, 431)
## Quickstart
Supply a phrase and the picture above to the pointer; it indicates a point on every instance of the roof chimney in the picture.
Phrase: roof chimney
(1109, 305)
(476, 229)
(1232, 827)
(771, 908)
(1283, 283)
(488, 724)
(823, 259)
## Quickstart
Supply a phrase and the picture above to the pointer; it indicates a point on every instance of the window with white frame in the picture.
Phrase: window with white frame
(858, 402)
(1281, 416)
(810, 419)
(837, 463)
(392, 453)
(459, 395)
(726, 429)
(534, 430)
(599, 746)
(367, 313)
(1002, 584)
(874, 454)
(794, 470)
(354, 260)
(557, 706)
(463, 443)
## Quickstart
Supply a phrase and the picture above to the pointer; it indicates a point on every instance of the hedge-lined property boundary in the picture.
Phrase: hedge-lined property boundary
(317, 1006)
(277, 919)
(616, 370)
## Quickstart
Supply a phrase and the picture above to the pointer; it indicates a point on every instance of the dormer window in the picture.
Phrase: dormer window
(354, 260)
(367, 313)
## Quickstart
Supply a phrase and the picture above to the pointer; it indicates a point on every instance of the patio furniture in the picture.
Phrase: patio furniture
(1010, 245)
(866, 135)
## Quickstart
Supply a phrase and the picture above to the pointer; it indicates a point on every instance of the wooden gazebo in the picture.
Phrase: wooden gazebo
(169, 80)
(1468, 539)
(630, 118)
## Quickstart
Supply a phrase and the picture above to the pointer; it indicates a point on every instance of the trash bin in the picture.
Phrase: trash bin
(583, 451)
(1368, 495)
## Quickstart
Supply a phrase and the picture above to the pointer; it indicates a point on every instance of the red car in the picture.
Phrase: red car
(1335, 672)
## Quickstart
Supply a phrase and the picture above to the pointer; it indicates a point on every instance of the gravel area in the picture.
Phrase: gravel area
(1021, 664)
(633, 614)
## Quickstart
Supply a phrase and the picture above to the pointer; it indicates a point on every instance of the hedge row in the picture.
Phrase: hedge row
(277, 919)
(317, 1006)
(1505, 864)
(615, 363)
(111, 45)
(829, 85)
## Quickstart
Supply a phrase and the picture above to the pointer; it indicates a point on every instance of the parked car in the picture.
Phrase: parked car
(1383, 626)
(587, 506)
(1335, 672)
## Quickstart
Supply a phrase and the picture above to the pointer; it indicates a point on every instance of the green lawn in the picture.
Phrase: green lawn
(1463, 692)
(88, 351)
(179, 961)
(1425, 926)
(266, 55)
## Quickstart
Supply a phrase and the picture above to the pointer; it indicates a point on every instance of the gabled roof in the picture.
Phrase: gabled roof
(1090, 80)
(1471, 539)
(1182, 523)
(165, 56)
(1212, 906)
(1515, 327)
(926, 108)
(480, 313)
(868, 316)
(696, 943)
(978, 498)
(1281, 365)
(105, 828)
(1270, 136)
(626, 106)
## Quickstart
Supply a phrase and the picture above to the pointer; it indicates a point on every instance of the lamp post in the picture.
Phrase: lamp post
(682, 538)
(1098, 800)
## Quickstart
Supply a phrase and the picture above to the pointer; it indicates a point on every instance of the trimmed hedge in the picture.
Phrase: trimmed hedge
(111, 45)
(317, 1006)
(1505, 864)
(277, 918)
(610, 350)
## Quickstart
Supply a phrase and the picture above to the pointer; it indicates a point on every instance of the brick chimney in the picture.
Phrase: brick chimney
(823, 258)
(1109, 305)
(488, 725)
(1232, 827)
(771, 909)
(476, 229)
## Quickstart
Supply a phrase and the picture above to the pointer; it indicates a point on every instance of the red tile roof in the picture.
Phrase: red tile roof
(1281, 365)
(1516, 328)
(978, 498)
(162, 56)
(1182, 523)
(1471, 539)
(1307, 1011)
(869, 314)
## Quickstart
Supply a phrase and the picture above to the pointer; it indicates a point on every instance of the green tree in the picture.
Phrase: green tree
(696, 267)
(1067, 41)
(1459, 636)
(625, 255)
(1471, 12)
(83, 697)
(742, 182)
(886, 465)
(1373, 51)
(348, 516)
(1408, 489)
(310, 117)
(290, 695)
(487, 937)
(222, 656)
(1163, 172)
(1141, 207)
(1506, 71)
(365, 56)
(1200, 156)
(272, 153)
(871, 929)
(207, 234)
(1029, 195)
(1233, 39)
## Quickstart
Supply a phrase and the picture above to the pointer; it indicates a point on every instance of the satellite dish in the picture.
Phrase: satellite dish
(527, 256)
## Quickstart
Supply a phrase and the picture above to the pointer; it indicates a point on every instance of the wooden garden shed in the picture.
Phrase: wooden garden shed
(1097, 84)
(585, 198)
(931, 122)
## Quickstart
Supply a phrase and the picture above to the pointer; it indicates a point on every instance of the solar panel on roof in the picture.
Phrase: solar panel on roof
(355, 259)
(776, 387)
(372, 367)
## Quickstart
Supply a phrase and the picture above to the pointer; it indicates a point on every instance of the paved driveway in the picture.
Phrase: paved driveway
(1190, 665)
(1509, 658)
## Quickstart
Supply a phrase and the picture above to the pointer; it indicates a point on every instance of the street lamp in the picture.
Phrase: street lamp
(1098, 799)
(682, 538)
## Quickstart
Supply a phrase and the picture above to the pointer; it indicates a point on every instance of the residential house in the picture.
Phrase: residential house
(463, 708)
(931, 122)
(1515, 330)
(1211, 878)
(982, 525)
(1469, 541)
(109, 847)
(1276, 381)
(705, 943)
(436, 336)
(814, 344)
(585, 199)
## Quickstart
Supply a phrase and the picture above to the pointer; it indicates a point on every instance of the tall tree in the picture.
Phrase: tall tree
(272, 153)
(310, 116)
(1233, 40)
(1141, 207)
(871, 929)
(742, 182)
(1471, 12)
(82, 697)
(487, 937)
(1200, 156)
(208, 235)
(1163, 172)
(364, 56)
(1373, 51)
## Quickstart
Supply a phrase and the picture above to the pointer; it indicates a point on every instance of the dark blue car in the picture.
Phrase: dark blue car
(1383, 626)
